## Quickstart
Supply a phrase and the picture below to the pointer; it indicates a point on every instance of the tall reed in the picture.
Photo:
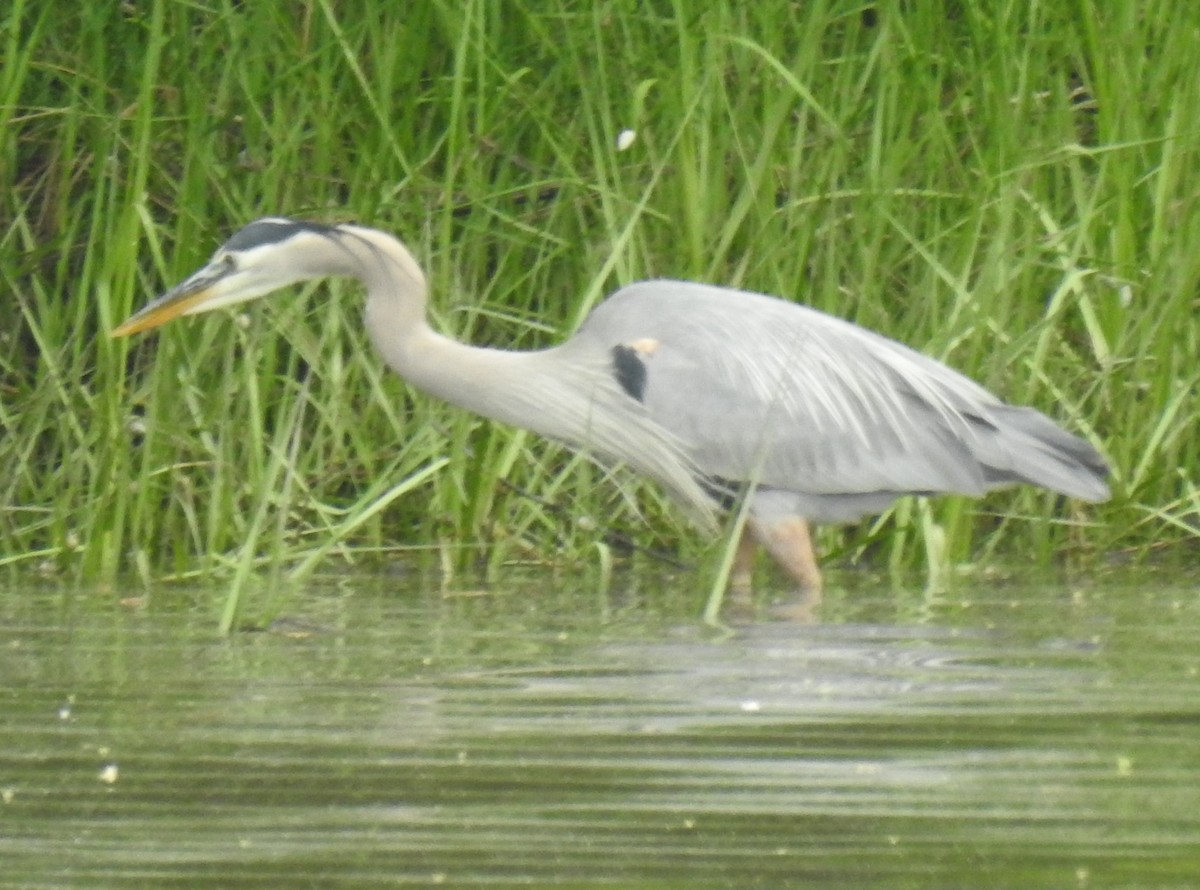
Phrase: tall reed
(1006, 189)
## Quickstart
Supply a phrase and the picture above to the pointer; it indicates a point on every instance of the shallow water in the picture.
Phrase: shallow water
(998, 736)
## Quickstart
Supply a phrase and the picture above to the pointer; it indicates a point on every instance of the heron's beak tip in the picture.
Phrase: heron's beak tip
(162, 310)
(140, 321)
(124, 329)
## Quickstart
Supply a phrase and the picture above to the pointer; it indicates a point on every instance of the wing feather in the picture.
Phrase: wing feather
(757, 388)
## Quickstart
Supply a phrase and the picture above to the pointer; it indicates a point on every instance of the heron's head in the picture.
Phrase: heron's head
(264, 256)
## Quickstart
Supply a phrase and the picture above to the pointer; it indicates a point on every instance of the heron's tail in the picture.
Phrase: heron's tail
(1040, 452)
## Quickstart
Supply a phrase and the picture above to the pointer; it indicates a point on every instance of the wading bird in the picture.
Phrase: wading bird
(714, 393)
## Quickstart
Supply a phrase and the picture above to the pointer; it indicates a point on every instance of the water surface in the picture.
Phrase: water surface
(998, 736)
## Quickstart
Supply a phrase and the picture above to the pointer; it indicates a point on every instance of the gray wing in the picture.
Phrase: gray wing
(757, 388)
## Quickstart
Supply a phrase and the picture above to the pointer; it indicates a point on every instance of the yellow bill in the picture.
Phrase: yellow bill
(190, 296)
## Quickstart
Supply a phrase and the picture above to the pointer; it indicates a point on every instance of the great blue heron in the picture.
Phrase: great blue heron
(708, 390)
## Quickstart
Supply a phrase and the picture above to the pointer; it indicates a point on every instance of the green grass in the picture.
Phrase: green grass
(1008, 190)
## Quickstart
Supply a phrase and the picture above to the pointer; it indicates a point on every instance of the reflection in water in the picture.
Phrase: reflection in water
(1043, 740)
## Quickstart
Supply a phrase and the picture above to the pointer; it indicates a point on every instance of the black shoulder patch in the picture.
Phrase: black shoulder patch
(630, 370)
(271, 230)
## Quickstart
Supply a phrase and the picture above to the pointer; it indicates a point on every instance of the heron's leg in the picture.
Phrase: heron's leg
(790, 545)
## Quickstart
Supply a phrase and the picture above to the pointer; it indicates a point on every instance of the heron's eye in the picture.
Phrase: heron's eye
(228, 263)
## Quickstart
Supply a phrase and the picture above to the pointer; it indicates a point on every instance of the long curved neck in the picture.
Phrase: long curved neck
(496, 383)
(507, 386)
(566, 392)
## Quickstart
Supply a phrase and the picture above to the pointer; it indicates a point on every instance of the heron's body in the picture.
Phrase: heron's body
(704, 389)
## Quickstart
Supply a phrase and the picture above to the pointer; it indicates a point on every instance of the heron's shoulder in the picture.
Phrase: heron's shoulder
(659, 306)
(744, 329)
(687, 294)
(690, 303)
